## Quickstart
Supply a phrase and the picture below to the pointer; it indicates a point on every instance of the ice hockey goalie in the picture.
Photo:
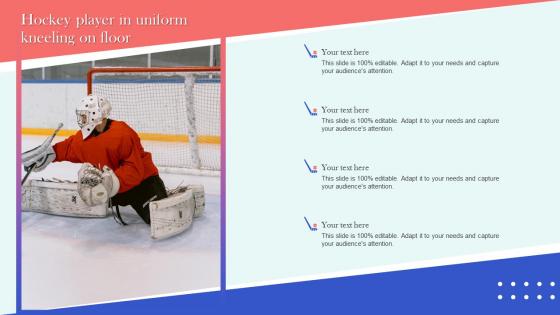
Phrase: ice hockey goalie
(116, 171)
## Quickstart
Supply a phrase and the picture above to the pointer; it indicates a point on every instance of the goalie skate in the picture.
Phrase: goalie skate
(58, 198)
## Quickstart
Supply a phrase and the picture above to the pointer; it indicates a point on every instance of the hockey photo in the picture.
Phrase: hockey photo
(121, 177)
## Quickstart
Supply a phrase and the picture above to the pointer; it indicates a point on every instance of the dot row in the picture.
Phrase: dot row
(539, 284)
(526, 297)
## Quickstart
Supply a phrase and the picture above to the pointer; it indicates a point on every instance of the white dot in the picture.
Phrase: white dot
(526, 283)
(539, 297)
(513, 296)
(552, 296)
(500, 297)
(500, 283)
(552, 283)
(526, 297)
(539, 283)
(513, 283)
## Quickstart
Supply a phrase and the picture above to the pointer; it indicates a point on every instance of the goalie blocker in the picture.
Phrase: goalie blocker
(169, 216)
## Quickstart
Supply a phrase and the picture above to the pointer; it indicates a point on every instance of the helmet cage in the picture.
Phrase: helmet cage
(90, 112)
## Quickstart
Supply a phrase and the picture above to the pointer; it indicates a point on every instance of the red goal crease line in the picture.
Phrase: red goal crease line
(202, 139)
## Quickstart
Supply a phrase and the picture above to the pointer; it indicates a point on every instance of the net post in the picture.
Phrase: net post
(90, 80)
(191, 120)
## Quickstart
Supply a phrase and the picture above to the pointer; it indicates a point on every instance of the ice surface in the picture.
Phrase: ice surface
(74, 261)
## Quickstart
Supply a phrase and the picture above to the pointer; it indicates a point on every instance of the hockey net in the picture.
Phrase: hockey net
(175, 111)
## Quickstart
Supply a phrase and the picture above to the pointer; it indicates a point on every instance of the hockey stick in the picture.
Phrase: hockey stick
(47, 142)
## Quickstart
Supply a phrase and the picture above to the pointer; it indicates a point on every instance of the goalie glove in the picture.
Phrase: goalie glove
(95, 186)
(38, 158)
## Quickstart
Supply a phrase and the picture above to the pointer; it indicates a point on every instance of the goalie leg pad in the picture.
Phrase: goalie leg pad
(172, 215)
(58, 198)
(199, 201)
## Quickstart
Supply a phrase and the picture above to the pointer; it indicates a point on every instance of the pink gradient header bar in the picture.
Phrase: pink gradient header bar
(206, 19)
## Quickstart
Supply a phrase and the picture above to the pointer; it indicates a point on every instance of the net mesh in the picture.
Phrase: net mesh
(176, 114)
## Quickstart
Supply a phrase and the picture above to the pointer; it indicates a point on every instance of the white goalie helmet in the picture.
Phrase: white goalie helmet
(90, 112)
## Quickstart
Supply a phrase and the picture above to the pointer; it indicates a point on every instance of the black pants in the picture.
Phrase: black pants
(139, 197)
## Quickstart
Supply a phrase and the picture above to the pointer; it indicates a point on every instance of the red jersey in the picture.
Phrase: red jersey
(118, 147)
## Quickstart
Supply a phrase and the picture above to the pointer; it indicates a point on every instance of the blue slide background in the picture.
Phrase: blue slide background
(457, 289)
